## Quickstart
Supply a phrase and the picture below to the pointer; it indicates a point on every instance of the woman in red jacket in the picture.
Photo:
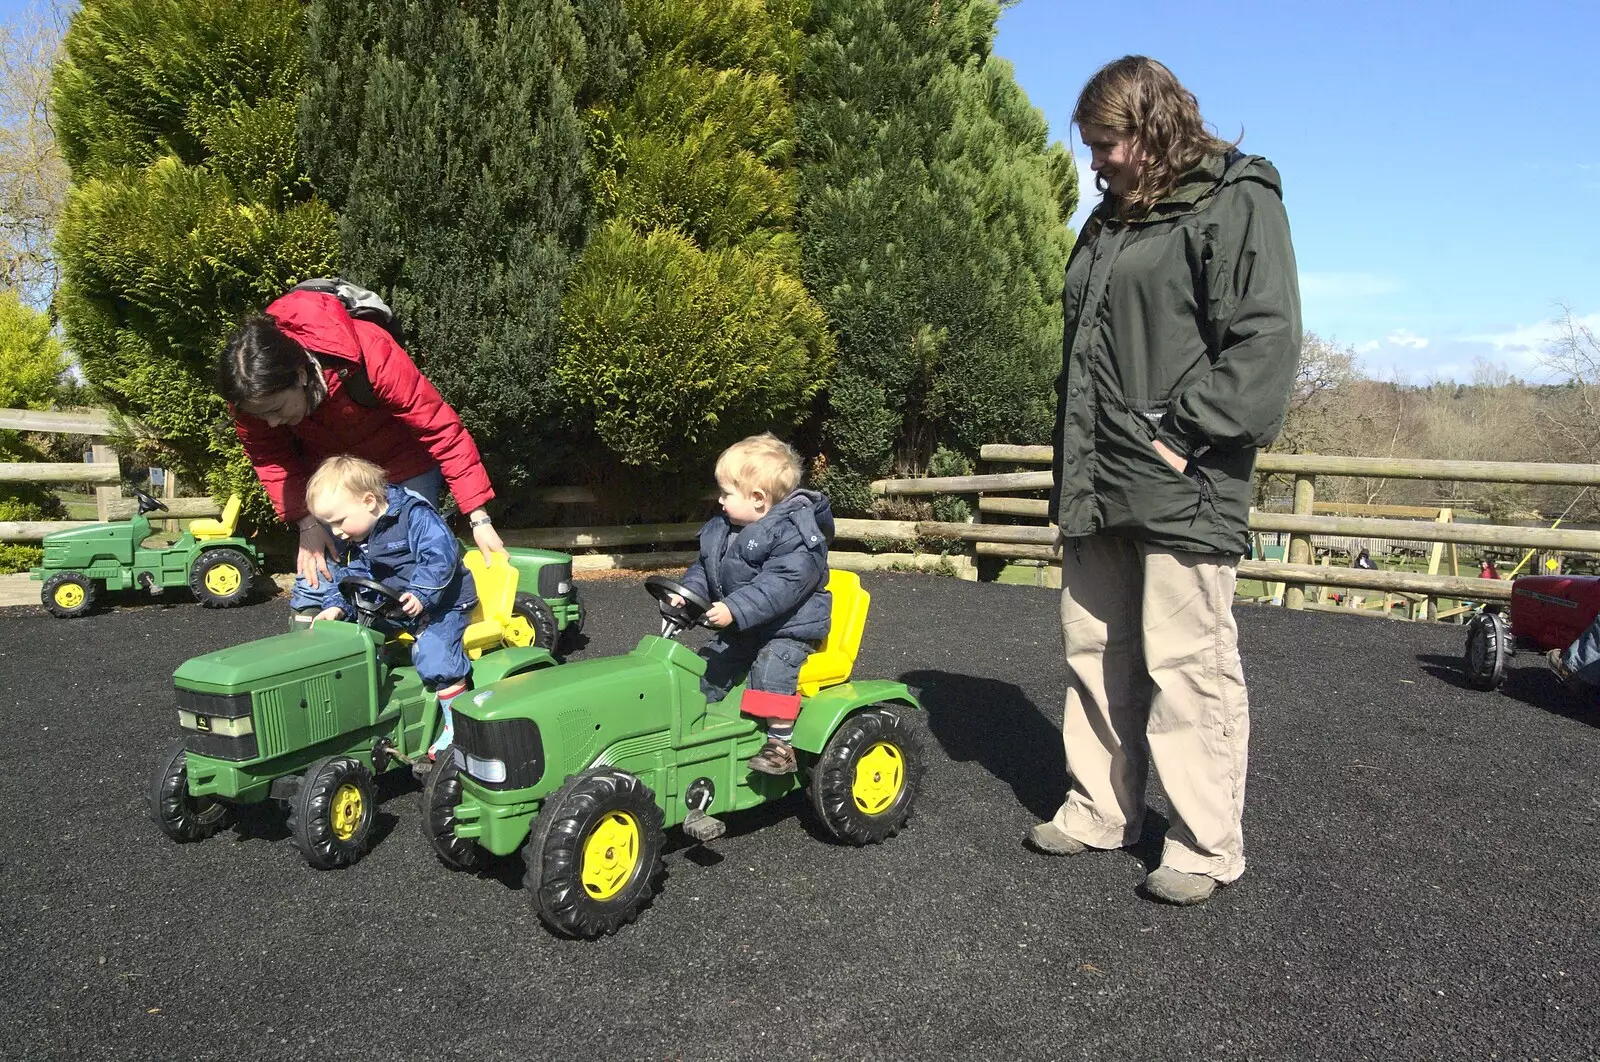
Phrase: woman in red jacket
(307, 381)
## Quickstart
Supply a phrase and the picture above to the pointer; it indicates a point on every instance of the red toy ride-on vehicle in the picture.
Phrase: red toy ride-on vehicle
(1547, 612)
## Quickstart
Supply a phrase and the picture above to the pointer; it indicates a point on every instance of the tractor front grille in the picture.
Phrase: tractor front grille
(514, 742)
(552, 577)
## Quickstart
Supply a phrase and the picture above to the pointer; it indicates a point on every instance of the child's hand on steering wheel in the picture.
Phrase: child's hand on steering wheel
(410, 605)
(719, 616)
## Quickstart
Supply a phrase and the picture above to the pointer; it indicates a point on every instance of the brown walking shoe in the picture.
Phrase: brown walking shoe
(1176, 887)
(775, 757)
(1051, 839)
(1554, 659)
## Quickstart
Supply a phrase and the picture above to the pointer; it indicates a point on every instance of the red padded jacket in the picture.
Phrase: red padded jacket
(411, 430)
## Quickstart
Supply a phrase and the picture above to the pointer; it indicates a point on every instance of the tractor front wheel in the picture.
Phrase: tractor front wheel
(331, 816)
(220, 578)
(180, 816)
(864, 782)
(68, 595)
(593, 856)
(1488, 649)
(440, 798)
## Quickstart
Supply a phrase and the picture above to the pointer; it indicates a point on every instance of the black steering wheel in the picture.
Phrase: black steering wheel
(674, 617)
(148, 503)
(356, 588)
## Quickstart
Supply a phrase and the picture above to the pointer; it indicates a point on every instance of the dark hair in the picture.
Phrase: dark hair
(258, 361)
(1137, 96)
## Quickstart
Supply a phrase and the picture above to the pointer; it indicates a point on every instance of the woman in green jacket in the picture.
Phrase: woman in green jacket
(1182, 335)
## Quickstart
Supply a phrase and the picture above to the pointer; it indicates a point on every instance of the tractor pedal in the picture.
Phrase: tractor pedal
(148, 583)
(702, 827)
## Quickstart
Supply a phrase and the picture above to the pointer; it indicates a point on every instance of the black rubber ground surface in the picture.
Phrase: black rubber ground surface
(1422, 883)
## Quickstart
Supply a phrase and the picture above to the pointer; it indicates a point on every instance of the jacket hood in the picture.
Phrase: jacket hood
(810, 512)
(317, 322)
(1209, 176)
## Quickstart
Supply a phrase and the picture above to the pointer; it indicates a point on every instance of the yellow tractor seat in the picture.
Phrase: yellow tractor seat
(497, 592)
(222, 528)
(831, 665)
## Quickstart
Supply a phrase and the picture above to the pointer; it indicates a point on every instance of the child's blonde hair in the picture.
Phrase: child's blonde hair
(762, 462)
(349, 473)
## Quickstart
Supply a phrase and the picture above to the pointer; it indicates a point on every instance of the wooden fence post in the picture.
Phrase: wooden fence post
(104, 496)
(1305, 498)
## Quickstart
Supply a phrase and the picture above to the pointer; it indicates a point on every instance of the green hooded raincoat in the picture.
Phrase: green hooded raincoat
(1182, 325)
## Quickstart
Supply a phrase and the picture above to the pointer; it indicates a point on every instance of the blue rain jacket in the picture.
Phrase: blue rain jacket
(771, 574)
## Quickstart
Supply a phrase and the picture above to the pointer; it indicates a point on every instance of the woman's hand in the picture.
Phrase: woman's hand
(316, 546)
(484, 534)
(1171, 456)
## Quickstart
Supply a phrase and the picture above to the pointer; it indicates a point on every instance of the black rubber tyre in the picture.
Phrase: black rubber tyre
(1488, 649)
(179, 815)
(537, 624)
(873, 807)
(440, 797)
(68, 595)
(222, 578)
(331, 816)
(599, 805)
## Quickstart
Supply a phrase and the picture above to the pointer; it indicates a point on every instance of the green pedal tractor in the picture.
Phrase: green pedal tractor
(310, 717)
(583, 766)
(79, 562)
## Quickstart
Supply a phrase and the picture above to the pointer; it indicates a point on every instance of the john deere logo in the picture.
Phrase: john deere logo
(202, 723)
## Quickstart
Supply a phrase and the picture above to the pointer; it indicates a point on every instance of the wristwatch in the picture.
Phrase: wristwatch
(480, 521)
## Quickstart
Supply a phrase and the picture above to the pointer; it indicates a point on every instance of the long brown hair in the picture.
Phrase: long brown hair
(1137, 95)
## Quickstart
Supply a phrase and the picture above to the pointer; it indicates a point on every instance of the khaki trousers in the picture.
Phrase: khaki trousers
(1154, 679)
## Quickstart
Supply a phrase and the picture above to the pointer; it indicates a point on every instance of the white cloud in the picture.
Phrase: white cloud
(1346, 285)
(1404, 337)
(1367, 347)
(1534, 337)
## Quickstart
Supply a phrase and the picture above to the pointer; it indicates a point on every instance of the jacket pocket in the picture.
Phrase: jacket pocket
(1138, 489)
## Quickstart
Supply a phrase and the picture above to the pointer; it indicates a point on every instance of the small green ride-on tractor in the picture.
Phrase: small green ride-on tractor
(81, 561)
(311, 716)
(582, 767)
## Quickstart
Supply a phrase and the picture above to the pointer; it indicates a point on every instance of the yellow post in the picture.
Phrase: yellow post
(104, 496)
(1305, 499)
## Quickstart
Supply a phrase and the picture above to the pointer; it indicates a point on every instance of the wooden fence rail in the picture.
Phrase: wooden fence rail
(1298, 572)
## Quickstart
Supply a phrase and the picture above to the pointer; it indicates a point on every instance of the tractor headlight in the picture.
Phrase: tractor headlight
(564, 588)
(485, 770)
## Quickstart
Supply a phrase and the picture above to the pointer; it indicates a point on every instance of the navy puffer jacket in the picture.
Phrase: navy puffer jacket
(771, 574)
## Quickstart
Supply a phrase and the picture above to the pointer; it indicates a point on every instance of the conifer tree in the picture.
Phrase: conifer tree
(933, 226)
(188, 206)
(447, 134)
(687, 325)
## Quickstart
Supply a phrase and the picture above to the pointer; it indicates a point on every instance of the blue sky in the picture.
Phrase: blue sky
(1441, 161)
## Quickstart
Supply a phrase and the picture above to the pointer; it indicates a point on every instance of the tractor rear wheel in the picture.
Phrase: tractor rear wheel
(68, 595)
(593, 855)
(179, 815)
(331, 816)
(1488, 649)
(221, 578)
(866, 779)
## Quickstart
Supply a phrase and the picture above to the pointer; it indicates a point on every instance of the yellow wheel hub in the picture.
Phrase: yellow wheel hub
(880, 775)
(69, 595)
(518, 631)
(223, 580)
(345, 812)
(610, 855)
